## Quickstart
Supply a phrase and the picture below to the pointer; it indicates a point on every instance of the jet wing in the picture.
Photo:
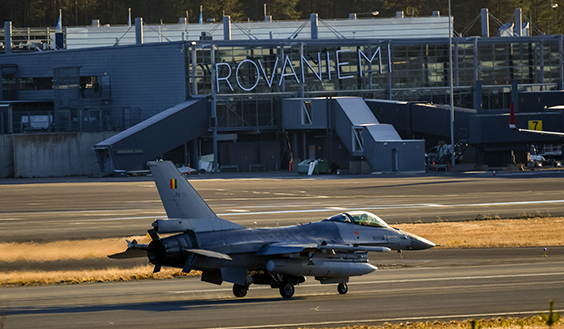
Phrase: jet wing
(289, 247)
(279, 248)
(210, 254)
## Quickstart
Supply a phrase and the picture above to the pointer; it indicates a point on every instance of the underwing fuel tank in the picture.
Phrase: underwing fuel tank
(319, 267)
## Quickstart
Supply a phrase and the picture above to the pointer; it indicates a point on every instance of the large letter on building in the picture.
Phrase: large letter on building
(318, 75)
(287, 60)
(217, 78)
(360, 53)
(269, 82)
(339, 64)
(248, 75)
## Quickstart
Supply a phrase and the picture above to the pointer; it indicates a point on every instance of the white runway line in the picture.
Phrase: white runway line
(422, 318)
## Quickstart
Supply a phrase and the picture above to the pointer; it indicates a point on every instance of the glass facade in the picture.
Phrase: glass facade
(248, 79)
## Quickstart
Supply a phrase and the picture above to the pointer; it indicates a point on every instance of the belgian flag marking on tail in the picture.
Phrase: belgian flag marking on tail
(173, 183)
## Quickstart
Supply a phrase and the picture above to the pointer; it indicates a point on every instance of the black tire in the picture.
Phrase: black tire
(239, 290)
(342, 288)
(286, 289)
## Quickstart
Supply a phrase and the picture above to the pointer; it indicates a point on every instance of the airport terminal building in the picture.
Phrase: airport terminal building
(365, 95)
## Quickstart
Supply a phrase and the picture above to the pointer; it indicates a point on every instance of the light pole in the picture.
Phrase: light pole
(369, 13)
(450, 83)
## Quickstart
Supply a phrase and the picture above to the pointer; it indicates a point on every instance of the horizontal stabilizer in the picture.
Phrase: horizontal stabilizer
(210, 254)
(131, 253)
(173, 225)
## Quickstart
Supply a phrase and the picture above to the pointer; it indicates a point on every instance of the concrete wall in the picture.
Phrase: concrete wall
(249, 156)
(401, 156)
(6, 156)
(56, 154)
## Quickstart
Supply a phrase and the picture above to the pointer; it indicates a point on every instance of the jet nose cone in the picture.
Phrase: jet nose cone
(419, 243)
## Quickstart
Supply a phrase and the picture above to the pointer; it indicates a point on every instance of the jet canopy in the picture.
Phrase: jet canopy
(359, 218)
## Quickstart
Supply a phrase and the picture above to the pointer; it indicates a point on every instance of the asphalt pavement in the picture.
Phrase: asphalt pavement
(428, 285)
(73, 208)
(424, 286)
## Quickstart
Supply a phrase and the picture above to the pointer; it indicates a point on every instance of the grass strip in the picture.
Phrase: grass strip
(500, 233)
(30, 278)
(534, 322)
(547, 231)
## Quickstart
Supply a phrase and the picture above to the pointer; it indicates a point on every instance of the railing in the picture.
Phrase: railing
(29, 39)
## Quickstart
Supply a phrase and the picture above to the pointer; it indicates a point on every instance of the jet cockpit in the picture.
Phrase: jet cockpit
(359, 218)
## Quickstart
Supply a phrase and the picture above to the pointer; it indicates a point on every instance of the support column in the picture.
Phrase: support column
(193, 70)
(305, 145)
(518, 22)
(139, 30)
(314, 24)
(283, 87)
(8, 37)
(195, 154)
(226, 28)
(561, 62)
(302, 71)
(296, 150)
(515, 95)
(390, 70)
(485, 23)
(213, 119)
(455, 54)
(478, 96)
(477, 83)
(541, 69)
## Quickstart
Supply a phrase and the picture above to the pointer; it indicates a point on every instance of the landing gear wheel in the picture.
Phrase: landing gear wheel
(239, 290)
(342, 288)
(286, 289)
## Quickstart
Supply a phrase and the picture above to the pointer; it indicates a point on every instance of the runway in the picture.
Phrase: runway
(430, 285)
(96, 208)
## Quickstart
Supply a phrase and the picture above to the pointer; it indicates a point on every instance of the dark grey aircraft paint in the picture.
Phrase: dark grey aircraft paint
(331, 250)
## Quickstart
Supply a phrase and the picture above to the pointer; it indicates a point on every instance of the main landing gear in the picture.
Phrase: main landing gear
(239, 290)
(286, 287)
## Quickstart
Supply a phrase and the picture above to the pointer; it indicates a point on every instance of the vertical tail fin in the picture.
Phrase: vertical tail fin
(183, 203)
(179, 198)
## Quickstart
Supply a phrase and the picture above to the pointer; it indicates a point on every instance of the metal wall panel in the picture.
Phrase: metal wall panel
(292, 113)
(150, 78)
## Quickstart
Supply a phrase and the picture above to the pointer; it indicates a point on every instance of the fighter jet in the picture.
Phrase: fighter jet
(331, 250)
